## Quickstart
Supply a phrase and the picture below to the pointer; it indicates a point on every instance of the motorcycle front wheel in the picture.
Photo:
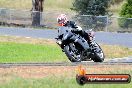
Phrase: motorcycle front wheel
(72, 53)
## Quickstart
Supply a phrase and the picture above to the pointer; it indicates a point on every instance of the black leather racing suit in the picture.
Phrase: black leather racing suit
(76, 29)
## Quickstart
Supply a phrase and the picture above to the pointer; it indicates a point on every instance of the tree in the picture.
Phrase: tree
(126, 12)
(37, 10)
(127, 9)
(91, 7)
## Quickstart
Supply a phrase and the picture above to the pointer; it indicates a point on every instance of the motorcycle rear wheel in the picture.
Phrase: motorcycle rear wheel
(98, 54)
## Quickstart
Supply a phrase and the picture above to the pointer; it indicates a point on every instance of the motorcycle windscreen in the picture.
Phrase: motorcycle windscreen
(63, 30)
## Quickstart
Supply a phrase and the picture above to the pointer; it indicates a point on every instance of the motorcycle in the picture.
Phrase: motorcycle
(77, 48)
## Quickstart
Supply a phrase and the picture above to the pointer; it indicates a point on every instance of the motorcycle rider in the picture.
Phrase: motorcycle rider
(63, 21)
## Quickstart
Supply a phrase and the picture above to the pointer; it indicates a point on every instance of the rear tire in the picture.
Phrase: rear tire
(98, 54)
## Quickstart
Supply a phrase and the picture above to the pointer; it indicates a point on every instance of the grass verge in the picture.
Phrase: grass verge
(16, 52)
(116, 51)
(48, 4)
(21, 49)
(57, 83)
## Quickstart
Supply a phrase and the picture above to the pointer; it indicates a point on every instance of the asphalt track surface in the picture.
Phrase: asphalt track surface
(117, 61)
(123, 39)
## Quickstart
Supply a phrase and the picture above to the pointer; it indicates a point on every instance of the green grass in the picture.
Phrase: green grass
(21, 49)
(59, 4)
(16, 4)
(16, 52)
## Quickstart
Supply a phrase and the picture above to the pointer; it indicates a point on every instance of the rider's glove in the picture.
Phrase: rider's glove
(75, 31)
(78, 28)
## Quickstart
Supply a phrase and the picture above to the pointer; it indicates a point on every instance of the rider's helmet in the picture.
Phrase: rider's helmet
(62, 19)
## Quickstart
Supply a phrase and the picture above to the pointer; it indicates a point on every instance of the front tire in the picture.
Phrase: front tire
(71, 55)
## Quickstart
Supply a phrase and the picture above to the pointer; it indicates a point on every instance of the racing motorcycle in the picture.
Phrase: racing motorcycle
(77, 48)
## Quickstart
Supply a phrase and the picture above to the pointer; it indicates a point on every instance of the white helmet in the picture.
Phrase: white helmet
(62, 19)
